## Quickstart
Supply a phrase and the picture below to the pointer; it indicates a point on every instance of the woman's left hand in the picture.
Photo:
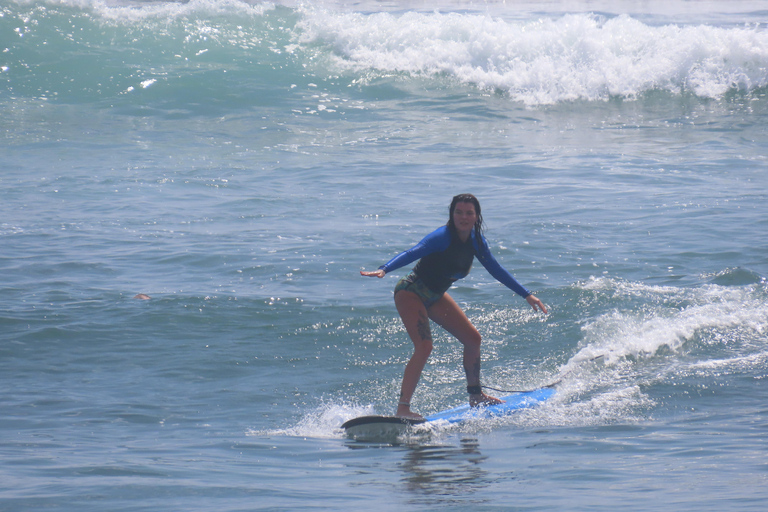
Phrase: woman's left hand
(536, 303)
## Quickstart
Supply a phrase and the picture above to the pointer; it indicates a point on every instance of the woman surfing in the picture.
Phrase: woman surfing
(445, 255)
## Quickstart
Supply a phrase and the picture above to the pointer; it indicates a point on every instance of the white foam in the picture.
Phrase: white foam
(164, 11)
(736, 364)
(575, 56)
(681, 314)
(322, 422)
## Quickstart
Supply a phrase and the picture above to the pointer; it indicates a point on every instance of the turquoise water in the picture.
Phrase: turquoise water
(241, 162)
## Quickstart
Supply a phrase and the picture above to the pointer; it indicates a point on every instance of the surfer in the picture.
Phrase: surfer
(445, 255)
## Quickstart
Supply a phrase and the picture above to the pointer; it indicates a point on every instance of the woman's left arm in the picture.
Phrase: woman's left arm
(503, 276)
(535, 302)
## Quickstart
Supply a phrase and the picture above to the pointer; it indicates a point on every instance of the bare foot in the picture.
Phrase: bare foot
(483, 399)
(405, 412)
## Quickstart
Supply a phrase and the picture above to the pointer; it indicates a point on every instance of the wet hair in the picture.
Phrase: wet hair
(466, 198)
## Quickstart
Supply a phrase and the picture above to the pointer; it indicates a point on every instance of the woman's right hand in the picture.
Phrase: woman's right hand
(376, 273)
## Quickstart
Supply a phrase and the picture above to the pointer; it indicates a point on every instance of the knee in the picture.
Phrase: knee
(423, 349)
(472, 340)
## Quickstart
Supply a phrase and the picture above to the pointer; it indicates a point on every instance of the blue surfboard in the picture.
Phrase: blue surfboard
(511, 404)
(388, 427)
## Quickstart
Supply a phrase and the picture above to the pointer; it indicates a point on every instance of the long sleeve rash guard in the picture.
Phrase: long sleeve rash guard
(443, 259)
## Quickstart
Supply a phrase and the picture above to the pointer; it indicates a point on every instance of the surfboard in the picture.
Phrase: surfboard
(512, 403)
(390, 427)
(379, 427)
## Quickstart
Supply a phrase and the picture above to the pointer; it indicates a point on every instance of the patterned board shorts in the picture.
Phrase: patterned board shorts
(412, 283)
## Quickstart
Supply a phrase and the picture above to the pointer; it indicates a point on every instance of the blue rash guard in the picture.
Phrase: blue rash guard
(444, 258)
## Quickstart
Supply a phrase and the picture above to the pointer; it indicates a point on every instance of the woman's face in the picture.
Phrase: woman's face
(464, 217)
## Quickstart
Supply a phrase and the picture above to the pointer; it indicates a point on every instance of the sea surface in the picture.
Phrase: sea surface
(240, 162)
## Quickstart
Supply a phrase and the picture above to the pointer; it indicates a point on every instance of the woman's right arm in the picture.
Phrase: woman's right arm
(438, 240)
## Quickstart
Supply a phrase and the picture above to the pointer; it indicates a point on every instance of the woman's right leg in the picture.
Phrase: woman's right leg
(414, 315)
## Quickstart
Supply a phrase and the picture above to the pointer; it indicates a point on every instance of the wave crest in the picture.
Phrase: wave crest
(574, 57)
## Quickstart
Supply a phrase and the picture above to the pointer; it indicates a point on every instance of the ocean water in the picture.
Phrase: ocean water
(240, 162)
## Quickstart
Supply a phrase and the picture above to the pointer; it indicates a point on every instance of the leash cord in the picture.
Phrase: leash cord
(551, 385)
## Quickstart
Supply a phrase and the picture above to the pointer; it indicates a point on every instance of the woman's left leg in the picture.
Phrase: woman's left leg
(448, 315)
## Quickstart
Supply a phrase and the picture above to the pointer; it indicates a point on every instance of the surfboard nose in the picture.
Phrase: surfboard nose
(379, 428)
